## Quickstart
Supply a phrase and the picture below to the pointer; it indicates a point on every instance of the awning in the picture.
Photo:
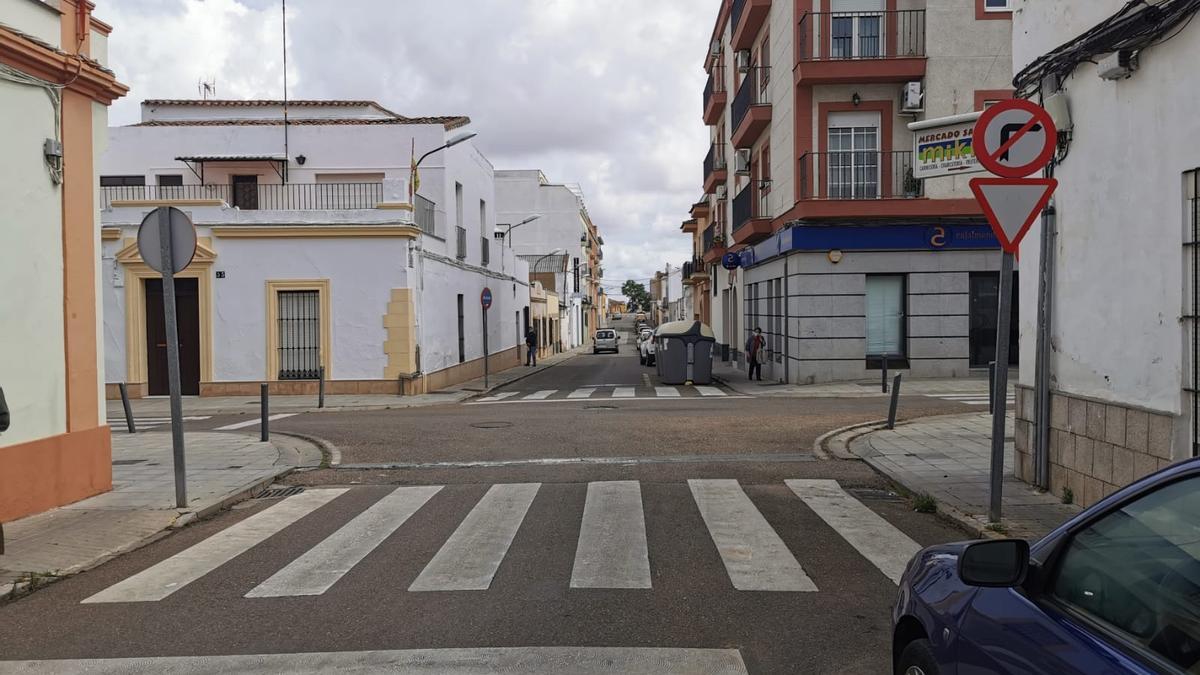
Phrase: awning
(278, 161)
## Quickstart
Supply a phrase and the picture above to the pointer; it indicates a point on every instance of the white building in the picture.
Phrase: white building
(309, 254)
(547, 225)
(1123, 341)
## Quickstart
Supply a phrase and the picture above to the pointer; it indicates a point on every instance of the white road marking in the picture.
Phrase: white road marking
(624, 392)
(666, 392)
(324, 564)
(470, 557)
(876, 539)
(152, 420)
(754, 555)
(500, 397)
(181, 569)
(612, 551)
(583, 392)
(692, 399)
(532, 660)
(254, 422)
(539, 395)
(710, 391)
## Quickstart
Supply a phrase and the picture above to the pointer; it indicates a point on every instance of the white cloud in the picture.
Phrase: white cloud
(605, 93)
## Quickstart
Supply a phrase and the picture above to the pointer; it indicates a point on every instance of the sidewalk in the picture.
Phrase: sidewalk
(735, 379)
(949, 459)
(221, 469)
(160, 406)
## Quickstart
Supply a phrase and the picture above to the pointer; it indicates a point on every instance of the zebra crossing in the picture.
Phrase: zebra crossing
(980, 398)
(607, 391)
(611, 550)
(118, 423)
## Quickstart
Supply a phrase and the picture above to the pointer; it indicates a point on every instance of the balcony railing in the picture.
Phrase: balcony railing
(714, 161)
(735, 14)
(858, 174)
(743, 207)
(423, 214)
(708, 236)
(461, 233)
(716, 85)
(838, 36)
(752, 92)
(249, 196)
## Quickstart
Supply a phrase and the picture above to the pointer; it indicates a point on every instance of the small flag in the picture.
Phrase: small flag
(415, 182)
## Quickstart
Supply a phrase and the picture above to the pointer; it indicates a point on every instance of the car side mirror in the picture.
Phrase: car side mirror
(997, 563)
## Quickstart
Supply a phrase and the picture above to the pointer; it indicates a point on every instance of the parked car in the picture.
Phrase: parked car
(616, 317)
(646, 347)
(605, 340)
(1116, 589)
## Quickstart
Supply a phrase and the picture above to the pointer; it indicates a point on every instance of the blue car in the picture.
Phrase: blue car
(1116, 589)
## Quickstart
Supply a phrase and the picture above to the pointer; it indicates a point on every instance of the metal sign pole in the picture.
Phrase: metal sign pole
(1000, 390)
(168, 280)
(485, 349)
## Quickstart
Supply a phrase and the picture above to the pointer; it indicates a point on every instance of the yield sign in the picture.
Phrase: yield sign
(1012, 204)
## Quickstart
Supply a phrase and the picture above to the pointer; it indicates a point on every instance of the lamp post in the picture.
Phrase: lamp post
(510, 228)
(465, 136)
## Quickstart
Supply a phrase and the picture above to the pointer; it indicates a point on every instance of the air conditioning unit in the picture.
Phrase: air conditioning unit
(741, 59)
(715, 48)
(722, 193)
(913, 98)
(741, 161)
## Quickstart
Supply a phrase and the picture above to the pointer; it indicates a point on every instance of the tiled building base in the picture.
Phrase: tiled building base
(1095, 447)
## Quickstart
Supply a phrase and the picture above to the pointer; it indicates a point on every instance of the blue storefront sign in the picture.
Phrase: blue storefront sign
(872, 238)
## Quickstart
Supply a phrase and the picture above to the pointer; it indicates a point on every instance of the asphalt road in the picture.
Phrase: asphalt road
(720, 561)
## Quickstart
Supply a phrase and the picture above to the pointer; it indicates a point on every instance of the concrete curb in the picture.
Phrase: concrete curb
(330, 455)
(823, 447)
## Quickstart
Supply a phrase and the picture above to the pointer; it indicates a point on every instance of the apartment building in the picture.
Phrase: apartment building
(548, 226)
(846, 258)
(1123, 349)
(312, 260)
(57, 449)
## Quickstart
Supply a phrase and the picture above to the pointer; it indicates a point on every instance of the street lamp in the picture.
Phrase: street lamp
(455, 140)
(510, 228)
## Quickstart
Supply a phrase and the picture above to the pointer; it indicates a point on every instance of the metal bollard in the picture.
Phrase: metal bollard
(883, 373)
(265, 412)
(321, 387)
(128, 410)
(991, 386)
(895, 402)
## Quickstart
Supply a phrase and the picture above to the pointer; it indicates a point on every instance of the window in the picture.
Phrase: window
(462, 338)
(458, 204)
(885, 315)
(170, 180)
(461, 236)
(764, 182)
(853, 156)
(997, 5)
(122, 181)
(856, 36)
(1136, 573)
(485, 251)
(299, 325)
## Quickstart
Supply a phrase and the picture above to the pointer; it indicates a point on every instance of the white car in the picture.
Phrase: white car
(646, 347)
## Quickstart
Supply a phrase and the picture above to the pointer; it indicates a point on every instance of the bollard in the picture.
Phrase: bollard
(128, 411)
(883, 372)
(265, 411)
(895, 402)
(991, 386)
(321, 387)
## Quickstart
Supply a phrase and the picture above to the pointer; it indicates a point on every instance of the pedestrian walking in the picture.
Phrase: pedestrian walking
(531, 348)
(754, 347)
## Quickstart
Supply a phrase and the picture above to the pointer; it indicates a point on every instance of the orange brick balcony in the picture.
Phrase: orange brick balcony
(747, 18)
(715, 172)
(853, 47)
(715, 96)
(751, 111)
(748, 228)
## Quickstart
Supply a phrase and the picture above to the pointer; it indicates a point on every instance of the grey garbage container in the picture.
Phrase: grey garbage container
(683, 352)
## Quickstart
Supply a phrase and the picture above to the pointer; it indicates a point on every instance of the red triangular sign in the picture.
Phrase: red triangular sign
(1012, 204)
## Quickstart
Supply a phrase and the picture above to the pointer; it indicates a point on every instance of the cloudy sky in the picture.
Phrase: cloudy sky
(604, 93)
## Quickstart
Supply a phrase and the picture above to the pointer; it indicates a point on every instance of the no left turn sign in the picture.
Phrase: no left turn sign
(1015, 138)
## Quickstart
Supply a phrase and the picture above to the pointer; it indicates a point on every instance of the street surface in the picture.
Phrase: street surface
(607, 519)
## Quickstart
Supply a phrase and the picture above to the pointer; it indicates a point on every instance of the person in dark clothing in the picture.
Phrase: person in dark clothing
(531, 348)
(754, 347)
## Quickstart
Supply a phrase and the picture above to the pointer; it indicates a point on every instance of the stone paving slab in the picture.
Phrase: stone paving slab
(949, 458)
(221, 468)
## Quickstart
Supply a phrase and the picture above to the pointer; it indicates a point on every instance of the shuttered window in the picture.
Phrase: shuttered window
(885, 315)
(299, 317)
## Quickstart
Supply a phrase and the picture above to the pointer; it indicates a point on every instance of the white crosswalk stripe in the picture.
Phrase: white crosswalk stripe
(666, 392)
(876, 539)
(754, 555)
(539, 395)
(710, 391)
(321, 567)
(582, 392)
(188, 565)
(470, 557)
(611, 550)
(254, 422)
(972, 399)
(500, 397)
(625, 392)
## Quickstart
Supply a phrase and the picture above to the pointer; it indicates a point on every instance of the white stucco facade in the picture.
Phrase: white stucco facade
(341, 225)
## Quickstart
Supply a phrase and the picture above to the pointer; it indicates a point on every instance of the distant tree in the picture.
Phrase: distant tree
(639, 297)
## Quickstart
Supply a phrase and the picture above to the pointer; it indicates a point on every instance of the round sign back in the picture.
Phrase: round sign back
(183, 239)
(731, 261)
(485, 298)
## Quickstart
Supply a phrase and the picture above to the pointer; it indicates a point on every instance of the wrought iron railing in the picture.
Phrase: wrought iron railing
(752, 92)
(735, 14)
(461, 239)
(424, 215)
(713, 237)
(837, 36)
(716, 84)
(714, 160)
(858, 174)
(249, 196)
(485, 248)
(743, 207)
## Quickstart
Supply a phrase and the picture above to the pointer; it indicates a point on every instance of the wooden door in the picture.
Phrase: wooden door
(245, 192)
(187, 311)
